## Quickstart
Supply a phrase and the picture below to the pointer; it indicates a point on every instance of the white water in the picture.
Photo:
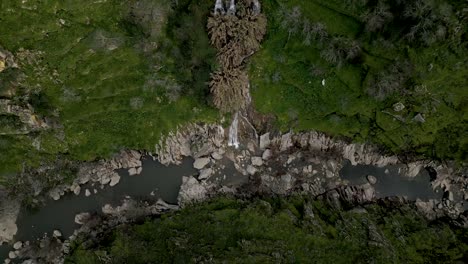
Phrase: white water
(233, 137)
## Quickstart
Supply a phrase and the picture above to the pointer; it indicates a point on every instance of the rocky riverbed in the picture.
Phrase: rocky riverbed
(270, 164)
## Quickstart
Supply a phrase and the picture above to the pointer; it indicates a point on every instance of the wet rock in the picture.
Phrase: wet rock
(115, 179)
(264, 141)
(57, 233)
(54, 194)
(132, 171)
(266, 154)
(201, 163)
(205, 174)
(414, 168)
(216, 155)
(76, 189)
(191, 191)
(82, 218)
(18, 245)
(257, 161)
(371, 179)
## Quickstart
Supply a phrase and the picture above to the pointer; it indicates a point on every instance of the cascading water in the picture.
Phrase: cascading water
(233, 137)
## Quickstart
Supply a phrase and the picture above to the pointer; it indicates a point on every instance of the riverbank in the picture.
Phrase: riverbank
(271, 164)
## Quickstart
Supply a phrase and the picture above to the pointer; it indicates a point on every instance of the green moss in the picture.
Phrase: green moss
(235, 231)
(430, 80)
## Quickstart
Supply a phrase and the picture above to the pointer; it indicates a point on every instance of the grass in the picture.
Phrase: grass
(286, 80)
(94, 78)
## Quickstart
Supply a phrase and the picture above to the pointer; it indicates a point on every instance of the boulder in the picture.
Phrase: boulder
(132, 171)
(419, 118)
(57, 233)
(76, 189)
(115, 179)
(257, 161)
(54, 194)
(205, 174)
(18, 245)
(87, 193)
(191, 191)
(286, 141)
(266, 154)
(264, 141)
(12, 255)
(216, 156)
(398, 107)
(82, 218)
(371, 179)
(201, 163)
(251, 169)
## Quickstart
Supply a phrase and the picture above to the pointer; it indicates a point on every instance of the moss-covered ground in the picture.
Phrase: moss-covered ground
(359, 94)
(112, 74)
(293, 230)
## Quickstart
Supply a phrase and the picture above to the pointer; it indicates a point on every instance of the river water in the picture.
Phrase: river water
(164, 182)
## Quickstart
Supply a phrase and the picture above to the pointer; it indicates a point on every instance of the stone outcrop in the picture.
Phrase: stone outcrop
(194, 140)
(9, 210)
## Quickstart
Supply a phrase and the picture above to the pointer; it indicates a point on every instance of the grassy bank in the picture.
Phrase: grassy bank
(110, 74)
(294, 230)
(372, 58)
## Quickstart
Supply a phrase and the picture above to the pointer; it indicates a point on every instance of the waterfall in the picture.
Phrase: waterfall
(233, 138)
(219, 8)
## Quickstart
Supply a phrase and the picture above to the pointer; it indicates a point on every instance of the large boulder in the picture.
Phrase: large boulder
(192, 191)
(9, 210)
(201, 163)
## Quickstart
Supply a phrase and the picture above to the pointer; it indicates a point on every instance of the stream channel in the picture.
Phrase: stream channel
(164, 182)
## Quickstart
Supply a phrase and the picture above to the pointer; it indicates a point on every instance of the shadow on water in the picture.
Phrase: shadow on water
(163, 181)
(390, 182)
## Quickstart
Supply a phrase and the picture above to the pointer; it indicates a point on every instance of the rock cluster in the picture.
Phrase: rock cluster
(102, 172)
(194, 140)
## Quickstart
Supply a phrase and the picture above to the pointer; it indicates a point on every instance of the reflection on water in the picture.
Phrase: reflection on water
(163, 181)
(392, 183)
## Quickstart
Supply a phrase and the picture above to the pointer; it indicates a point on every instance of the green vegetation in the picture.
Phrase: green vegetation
(107, 74)
(371, 56)
(293, 230)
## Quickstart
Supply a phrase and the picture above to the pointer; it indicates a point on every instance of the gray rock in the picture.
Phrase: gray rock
(257, 161)
(115, 179)
(191, 191)
(201, 163)
(12, 255)
(82, 218)
(87, 193)
(18, 245)
(251, 169)
(9, 212)
(216, 155)
(398, 107)
(132, 171)
(371, 179)
(419, 118)
(205, 174)
(286, 141)
(54, 194)
(266, 154)
(77, 189)
(57, 233)
(265, 141)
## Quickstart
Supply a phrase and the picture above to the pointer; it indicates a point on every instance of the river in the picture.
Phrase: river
(164, 182)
